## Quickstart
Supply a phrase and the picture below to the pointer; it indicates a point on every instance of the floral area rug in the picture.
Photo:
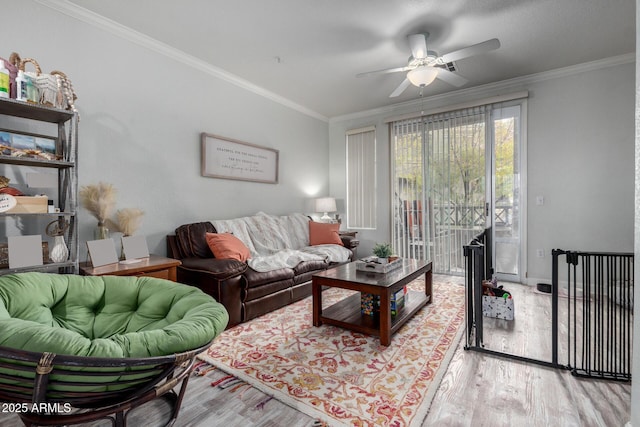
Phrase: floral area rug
(343, 377)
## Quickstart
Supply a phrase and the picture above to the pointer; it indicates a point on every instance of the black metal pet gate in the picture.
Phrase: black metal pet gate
(598, 315)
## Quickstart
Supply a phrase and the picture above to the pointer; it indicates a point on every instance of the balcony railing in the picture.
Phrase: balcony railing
(440, 232)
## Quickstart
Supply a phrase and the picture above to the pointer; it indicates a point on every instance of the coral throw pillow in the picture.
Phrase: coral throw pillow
(321, 233)
(227, 246)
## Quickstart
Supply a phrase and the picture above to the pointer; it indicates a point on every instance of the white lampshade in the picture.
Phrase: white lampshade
(326, 205)
(422, 76)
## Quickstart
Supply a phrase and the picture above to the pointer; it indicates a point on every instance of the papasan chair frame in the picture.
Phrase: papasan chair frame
(76, 389)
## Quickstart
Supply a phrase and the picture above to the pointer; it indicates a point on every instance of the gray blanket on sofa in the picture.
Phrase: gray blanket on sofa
(279, 241)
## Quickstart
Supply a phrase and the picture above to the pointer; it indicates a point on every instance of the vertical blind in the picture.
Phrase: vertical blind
(438, 179)
(410, 229)
(361, 178)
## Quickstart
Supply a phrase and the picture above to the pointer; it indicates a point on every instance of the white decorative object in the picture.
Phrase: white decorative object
(56, 229)
(59, 252)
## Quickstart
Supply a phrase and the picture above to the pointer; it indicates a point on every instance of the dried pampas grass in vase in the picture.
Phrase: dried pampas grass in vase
(99, 199)
(129, 220)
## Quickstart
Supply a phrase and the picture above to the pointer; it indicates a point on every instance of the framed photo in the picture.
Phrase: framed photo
(13, 141)
(230, 159)
(5, 143)
(47, 145)
(23, 142)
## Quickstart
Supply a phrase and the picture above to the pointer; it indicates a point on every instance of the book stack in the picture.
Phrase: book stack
(370, 303)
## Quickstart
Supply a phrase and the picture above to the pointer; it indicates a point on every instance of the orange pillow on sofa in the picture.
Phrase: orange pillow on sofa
(321, 233)
(227, 246)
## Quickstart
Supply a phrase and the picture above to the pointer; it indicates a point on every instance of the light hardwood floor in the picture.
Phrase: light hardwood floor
(485, 390)
(477, 389)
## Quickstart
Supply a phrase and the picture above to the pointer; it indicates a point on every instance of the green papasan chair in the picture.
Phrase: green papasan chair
(75, 349)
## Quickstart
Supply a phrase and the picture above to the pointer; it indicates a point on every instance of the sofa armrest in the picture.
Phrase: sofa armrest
(349, 242)
(172, 247)
(220, 278)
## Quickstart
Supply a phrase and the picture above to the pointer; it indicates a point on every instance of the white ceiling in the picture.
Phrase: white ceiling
(309, 52)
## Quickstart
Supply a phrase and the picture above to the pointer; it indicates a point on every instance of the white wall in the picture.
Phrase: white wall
(635, 385)
(141, 117)
(579, 157)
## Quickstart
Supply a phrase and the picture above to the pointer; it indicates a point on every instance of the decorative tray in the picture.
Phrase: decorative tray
(372, 265)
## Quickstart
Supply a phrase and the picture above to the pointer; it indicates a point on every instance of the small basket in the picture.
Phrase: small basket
(47, 84)
(53, 90)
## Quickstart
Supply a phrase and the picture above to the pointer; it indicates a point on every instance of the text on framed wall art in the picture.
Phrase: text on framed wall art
(230, 159)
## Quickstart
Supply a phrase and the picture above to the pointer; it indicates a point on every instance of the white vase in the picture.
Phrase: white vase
(59, 252)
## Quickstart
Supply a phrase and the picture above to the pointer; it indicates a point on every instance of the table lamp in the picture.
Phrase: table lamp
(326, 205)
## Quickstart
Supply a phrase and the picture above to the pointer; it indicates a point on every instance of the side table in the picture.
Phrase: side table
(154, 266)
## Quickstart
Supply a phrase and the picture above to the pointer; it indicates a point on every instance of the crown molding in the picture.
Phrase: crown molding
(99, 21)
(73, 10)
(491, 88)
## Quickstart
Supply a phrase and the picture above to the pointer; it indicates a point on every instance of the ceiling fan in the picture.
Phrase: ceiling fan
(424, 66)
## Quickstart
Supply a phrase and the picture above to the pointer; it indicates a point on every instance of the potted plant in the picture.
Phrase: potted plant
(382, 251)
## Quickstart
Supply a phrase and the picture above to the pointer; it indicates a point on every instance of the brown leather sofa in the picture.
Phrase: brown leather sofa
(244, 292)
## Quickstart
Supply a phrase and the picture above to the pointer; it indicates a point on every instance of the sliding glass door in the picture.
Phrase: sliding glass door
(507, 192)
(455, 174)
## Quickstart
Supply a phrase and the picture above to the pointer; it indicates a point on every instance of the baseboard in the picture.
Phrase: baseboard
(563, 286)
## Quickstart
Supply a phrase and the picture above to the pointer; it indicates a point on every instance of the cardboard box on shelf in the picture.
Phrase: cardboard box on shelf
(30, 204)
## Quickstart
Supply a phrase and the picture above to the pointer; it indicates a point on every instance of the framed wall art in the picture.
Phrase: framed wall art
(230, 159)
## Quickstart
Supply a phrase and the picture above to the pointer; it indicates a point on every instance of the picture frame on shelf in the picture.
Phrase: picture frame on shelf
(4, 254)
(22, 142)
(135, 247)
(37, 146)
(102, 252)
(25, 251)
(46, 145)
(5, 143)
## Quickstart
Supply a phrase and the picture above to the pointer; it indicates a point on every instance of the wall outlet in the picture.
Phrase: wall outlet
(540, 253)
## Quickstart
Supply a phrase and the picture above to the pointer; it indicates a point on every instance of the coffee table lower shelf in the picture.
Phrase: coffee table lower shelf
(346, 314)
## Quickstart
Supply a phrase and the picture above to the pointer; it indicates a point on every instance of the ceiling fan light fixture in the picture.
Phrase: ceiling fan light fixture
(422, 76)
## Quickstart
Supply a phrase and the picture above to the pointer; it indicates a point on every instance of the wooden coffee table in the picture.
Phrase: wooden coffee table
(346, 313)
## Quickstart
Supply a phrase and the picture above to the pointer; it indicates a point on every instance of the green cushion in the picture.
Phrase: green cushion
(106, 316)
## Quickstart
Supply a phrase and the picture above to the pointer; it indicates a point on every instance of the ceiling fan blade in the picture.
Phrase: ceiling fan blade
(403, 86)
(451, 78)
(471, 50)
(385, 71)
(418, 44)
